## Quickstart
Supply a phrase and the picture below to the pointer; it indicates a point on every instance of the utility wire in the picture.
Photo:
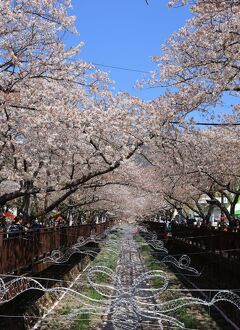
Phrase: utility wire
(204, 124)
(119, 68)
(172, 122)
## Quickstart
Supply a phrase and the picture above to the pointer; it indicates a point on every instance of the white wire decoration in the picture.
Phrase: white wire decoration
(60, 257)
(183, 262)
(152, 239)
(127, 300)
(135, 301)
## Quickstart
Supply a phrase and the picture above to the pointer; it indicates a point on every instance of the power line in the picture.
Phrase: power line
(205, 124)
(119, 68)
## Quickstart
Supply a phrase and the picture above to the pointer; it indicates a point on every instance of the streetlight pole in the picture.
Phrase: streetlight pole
(179, 209)
(222, 204)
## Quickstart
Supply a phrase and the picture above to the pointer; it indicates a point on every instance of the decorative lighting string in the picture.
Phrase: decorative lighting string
(182, 263)
(59, 257)
(152, 236)
(50, 279)
(132, 298)
(127, 298)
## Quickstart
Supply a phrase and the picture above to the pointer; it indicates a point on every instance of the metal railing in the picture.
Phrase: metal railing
(21, 251)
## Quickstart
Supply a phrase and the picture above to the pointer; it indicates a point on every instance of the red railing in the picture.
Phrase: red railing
(26, 251)
(210, 243)
(220, 242)
(158, 227)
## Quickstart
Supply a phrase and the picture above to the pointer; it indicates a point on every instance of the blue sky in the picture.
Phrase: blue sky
(125, 33)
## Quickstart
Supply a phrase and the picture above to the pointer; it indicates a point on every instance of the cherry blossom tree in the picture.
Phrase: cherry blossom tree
(73, 147)
(201, 60)
(54, 109)
(198, 164)
(198, 65)
(67, 140)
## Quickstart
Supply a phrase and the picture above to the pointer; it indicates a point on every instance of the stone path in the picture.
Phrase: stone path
(129, 267)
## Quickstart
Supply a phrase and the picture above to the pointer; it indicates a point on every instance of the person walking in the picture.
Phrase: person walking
(16, 228)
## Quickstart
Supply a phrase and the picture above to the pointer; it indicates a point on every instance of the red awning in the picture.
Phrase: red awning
(9, 215)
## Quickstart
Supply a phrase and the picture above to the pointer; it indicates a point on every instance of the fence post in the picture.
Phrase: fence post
(1, 250)
(1, 238)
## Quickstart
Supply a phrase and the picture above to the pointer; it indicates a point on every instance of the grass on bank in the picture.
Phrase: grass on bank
(151, 263)
(108, 258)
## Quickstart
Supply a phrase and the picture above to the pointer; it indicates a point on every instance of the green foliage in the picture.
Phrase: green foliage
(53, 324)
(94, 295)
(65, 310)
(107, 258)
(184, 315)
(157, 282)
(82, 322)
(146, 248)
(153, 265)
